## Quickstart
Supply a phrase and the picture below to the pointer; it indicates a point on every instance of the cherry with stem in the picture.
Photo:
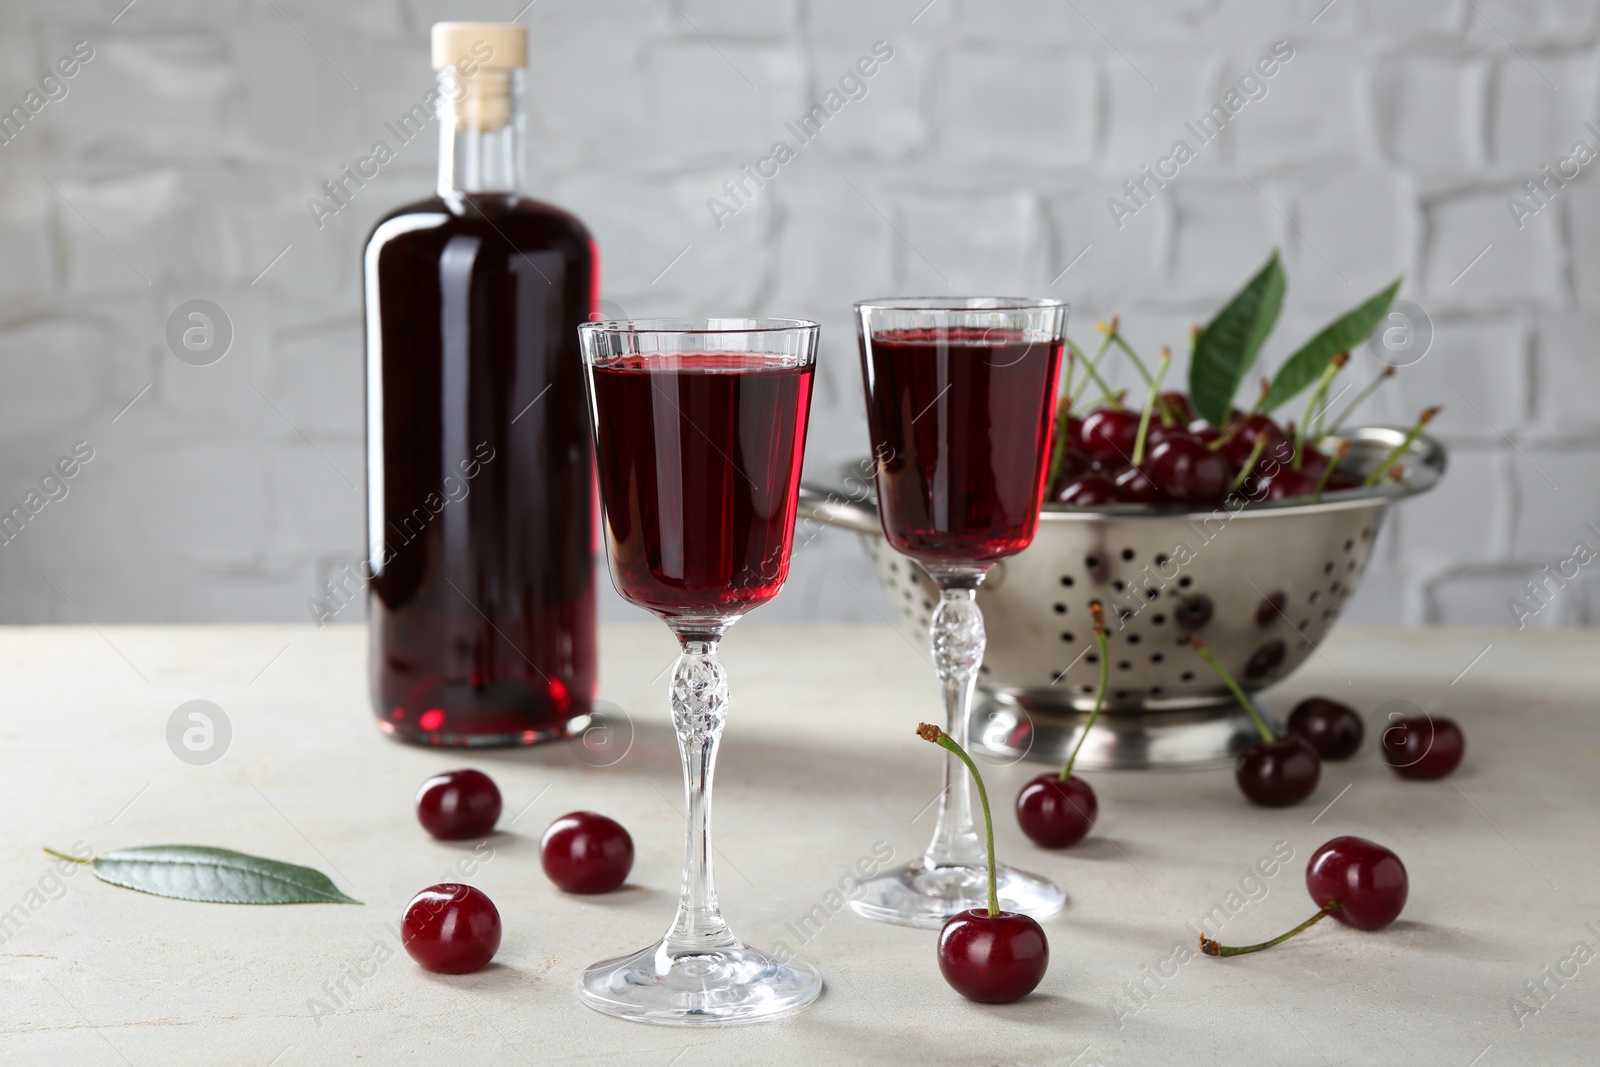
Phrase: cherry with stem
(1150, 405)
(988, 955)
(1359, 882)
(1274, 772)
(1058, 810)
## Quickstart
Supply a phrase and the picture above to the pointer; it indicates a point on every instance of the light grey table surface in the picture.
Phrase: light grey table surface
(819, 766)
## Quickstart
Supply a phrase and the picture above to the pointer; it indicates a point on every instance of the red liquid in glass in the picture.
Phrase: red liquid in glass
(480, 483)
(699, 470)
(961, 423)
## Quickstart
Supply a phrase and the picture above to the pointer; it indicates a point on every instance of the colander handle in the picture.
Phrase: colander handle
(836, 509)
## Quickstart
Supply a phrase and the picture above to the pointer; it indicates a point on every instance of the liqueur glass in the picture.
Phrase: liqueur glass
(960, 405)
(700, 428)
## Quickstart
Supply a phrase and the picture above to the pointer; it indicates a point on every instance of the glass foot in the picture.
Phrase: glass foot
(737, 984)
(919, 895)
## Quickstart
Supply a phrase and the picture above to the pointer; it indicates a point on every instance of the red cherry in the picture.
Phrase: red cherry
(1055, 814)
(458, 805)
(1332, 728)
(1177, 407)
(1243, 441)
(1193, 611)
(993, 959)
(1423, 747)
(1358, 882)
(1188, 471)
(1367, 880)
(451, 928)
(1110, 432)
(1074, 461)
(586, 853)
(1286, 483)
(1088, 491)
(1277, 773)
(1135, 487)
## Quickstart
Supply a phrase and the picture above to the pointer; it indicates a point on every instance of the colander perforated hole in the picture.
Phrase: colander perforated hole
(1151, 594)
(1066, 580)
(1117, 584)
(1156, 657)
(1327, 613)
(1327, 568)
(1156, 690)
(1066, 635)
(1125, 665)
(1349, 544)
(1133, 639)
(1158, 618)
(1185, 582)
(1366, 533)
(1127, 554)
(1161, 560)
(1091, 658)
(1085, 688)
(1304, 623)
(1350, 566)
(1061, 609)
(1186, 676)
(1316, 595)
(983, 668)
(894, 566)
(927, 605)
(1123, 694)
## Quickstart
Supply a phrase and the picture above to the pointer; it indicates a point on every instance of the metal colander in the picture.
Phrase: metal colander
(1262, 585)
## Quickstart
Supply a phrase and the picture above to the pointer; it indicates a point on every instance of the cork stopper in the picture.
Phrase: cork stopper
(481, 57)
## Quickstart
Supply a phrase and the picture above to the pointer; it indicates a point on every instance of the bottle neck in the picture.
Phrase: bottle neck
(480, 133)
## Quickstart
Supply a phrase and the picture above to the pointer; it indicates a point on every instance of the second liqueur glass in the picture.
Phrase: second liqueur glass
(700, 428)
(960, 404)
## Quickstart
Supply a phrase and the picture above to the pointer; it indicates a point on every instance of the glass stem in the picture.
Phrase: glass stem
(699, 710)
(958, 641)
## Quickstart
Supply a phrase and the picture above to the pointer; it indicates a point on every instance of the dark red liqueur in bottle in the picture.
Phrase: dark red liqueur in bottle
(962, 483)
(698, 472)
(480, 494)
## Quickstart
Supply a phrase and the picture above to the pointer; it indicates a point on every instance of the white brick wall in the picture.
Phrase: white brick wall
(179, 164)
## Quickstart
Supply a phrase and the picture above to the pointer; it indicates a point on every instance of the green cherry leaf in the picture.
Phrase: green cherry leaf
(217, 875)
(1227, 347)
(1341, 335)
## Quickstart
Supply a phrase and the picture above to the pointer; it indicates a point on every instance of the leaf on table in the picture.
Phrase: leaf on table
(1227, 347)
(1340, 335)
(217, 875)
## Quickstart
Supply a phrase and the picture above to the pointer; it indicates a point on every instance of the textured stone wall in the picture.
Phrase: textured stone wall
(178, 160)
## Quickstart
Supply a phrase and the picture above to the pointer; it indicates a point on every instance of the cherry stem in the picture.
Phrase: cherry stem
(1205, 653)
(1058, 449)
(1371, 387)
(1212, 948)
(1339, 454)
(1127, 348)
(1261, 398)
(1092, 366)
(1315, 408)
(69, 859)
(929, 732)
(1250, 464)
(1098, 614)
(1229, 432)
(1150, 405)
(1402, 448)
(1072, 367)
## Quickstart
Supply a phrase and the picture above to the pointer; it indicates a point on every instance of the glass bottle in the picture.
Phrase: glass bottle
(480, 476)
